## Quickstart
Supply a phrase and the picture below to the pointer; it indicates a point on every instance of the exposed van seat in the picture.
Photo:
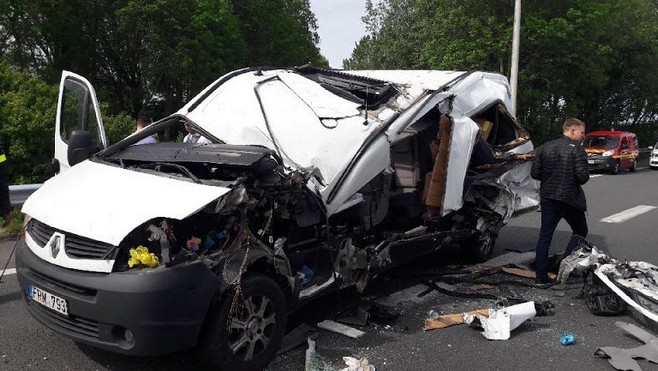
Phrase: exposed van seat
(404, 158)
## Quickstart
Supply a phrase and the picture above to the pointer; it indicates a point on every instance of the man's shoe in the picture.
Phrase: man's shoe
(544, 282)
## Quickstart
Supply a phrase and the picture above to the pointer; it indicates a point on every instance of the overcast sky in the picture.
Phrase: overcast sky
(339, 26)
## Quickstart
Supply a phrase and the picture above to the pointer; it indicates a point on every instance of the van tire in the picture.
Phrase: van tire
(632, 168)
(480, 247)
(615, 168)
(261, 326)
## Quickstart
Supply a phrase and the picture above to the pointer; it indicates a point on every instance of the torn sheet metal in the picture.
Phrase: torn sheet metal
(635, 282)
(499, 323)
(623, 359)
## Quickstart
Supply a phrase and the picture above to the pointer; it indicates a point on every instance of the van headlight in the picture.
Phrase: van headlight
(607, 153)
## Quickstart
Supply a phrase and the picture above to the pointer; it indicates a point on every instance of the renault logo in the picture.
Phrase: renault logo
(55, 244)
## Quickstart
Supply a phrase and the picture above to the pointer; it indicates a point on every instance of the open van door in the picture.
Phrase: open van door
(79, 131)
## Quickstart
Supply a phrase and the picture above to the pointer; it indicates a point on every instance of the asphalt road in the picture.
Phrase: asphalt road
(403, 345)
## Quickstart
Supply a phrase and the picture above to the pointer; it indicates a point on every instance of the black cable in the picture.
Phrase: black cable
(12, 252)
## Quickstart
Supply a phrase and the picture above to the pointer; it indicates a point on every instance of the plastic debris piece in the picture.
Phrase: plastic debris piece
(307, 275)
(432, 314)
(360, 364)
(567, 339)
(193, 243)
(340, 329)
(501, 322)
(141, 255)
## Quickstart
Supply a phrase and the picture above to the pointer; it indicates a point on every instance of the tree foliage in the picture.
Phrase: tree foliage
(592, 58)
(144, 57)
(152, 56)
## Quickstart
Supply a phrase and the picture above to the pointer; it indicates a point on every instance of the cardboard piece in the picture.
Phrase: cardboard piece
(448, 320)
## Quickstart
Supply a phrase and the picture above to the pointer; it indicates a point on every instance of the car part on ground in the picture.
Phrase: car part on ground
(611, 284)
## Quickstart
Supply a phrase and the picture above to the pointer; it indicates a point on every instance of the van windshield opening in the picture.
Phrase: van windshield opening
(601, 141)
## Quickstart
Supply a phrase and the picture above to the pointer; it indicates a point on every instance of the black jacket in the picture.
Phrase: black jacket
(561, 167)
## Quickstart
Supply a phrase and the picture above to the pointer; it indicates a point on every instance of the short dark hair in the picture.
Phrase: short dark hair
(571, 122)
(143, 122)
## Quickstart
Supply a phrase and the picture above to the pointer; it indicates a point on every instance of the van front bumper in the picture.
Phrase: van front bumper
(139, 312)
(600, 163)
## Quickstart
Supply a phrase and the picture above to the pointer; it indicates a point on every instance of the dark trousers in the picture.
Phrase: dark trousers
(552, 211)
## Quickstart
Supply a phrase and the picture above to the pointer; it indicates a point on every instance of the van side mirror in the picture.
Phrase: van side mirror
(650, 147)
(80, 146)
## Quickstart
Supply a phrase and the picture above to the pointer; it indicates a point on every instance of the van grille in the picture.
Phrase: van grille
(76, 246)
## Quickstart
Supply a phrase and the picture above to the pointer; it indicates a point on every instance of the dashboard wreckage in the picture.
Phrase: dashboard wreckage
(314, 180)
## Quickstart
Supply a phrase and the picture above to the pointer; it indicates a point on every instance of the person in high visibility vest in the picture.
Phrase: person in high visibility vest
(5, 204)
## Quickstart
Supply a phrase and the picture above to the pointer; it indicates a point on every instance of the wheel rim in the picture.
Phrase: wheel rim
(485, 243)
(251, 328)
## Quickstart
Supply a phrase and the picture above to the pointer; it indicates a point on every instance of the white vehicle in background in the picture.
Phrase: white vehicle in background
(315, 180)
(653, 157)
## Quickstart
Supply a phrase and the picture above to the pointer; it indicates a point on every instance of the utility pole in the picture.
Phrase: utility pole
(514, 70)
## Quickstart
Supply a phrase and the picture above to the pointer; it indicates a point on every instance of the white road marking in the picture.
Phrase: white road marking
(595, 175)
(627, 214)
(9, 271)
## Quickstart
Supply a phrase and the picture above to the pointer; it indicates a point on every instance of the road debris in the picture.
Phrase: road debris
(623, 359)
(297, 337)
(567, 339)
(524, 272)
(499, 323)
(448, 320)
(310, 363)
(360, 364)
(340, 329)
(634, 282)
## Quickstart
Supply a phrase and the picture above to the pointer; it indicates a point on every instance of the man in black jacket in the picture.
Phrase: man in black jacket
(561, 167)
(5, 204)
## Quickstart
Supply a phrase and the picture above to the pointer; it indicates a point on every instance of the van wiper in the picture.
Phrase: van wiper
(161, 166)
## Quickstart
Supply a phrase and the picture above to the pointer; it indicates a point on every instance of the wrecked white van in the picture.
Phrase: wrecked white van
(314, 180)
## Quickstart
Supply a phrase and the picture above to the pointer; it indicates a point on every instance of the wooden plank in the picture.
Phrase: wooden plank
(448, 320)
(524, 272)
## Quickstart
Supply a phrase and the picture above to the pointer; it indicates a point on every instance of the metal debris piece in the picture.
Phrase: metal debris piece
(623, 359)
(340, 329)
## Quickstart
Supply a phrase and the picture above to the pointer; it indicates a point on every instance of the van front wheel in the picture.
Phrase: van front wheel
(633, 166)
(615, 168)
(481, 247)
(244, 331)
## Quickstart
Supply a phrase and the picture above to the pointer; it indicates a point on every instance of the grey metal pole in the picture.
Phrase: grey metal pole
(514, 70)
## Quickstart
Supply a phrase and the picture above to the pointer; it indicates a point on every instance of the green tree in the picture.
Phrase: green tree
(134, 51)
(592, 58)
(279, 32)
(27, 113)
